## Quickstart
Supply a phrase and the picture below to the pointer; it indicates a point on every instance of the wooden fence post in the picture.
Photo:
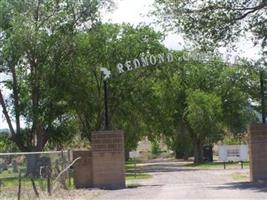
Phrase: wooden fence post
(49, 182)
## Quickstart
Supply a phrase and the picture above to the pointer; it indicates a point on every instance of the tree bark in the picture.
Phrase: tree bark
(16, 98)
(198, 158)
(179, 154)
(127, 154)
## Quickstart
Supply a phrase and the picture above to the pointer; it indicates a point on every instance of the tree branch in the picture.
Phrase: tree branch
(5, 112)
(250, 12)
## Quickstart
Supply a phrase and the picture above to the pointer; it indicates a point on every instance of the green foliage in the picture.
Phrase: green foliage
(108, 45)
(237, 139)
(5, 144)
(204, 115)
(214, 22)
(38, 46)
(155, 148)
(199, 101)
(53, 53)
(58, 88)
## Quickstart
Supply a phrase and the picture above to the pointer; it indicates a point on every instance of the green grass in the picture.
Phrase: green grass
(130, 171)
(10, 179)
(138, 176)
(219, 165)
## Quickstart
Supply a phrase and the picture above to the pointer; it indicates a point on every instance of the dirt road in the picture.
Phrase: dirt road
(172, 180)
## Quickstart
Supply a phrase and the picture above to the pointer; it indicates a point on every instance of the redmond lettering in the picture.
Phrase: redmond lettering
(145, 61)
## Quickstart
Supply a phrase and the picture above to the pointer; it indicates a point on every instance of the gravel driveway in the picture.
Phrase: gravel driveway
(172, 180)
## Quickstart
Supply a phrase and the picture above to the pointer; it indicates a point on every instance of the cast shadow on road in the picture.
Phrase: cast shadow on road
(258, 187)
(163, 167)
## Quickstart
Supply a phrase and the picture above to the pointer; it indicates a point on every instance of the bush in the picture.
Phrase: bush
(155, 148)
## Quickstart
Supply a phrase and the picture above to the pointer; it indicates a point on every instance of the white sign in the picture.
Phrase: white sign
(145, 61)
(133, 154)
(233, 153)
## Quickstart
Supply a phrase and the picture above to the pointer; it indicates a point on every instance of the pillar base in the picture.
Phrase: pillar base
(108, 159)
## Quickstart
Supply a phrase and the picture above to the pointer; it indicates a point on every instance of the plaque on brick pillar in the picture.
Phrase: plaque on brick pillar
(108, 159)
(82, 169)
(258, 152)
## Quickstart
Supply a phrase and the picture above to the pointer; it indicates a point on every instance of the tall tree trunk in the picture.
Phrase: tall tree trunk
(197, 151)
(186, 156)
(127, 154)
(16, 98)
(179, 153)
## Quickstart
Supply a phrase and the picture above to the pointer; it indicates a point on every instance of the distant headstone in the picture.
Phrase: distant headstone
(44, 165)
(15, 166)
(133, 154)
(3, 166)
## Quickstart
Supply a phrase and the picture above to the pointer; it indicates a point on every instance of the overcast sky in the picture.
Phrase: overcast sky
(135, 12)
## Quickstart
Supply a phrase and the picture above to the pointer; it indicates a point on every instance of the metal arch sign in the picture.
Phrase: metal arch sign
(143, 61)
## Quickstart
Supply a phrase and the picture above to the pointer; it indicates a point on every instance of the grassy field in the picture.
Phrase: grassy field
(134, 173)
(240, 176)
(219, 165)
(9, 179)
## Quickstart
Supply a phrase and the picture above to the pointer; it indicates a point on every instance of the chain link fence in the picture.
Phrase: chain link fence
(35, 174)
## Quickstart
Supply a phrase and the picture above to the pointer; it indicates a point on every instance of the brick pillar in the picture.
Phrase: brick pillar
(82, 169)
(258, 152)
(108, 159)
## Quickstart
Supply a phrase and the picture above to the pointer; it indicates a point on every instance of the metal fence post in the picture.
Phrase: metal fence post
(19, 188)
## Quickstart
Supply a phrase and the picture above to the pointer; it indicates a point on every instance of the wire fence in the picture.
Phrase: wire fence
(27, 175)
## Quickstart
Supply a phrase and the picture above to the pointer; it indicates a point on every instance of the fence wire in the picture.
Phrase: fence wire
(34, 174)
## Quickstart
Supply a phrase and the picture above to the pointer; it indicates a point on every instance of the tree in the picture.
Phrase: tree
(203, 118)
(61, 94)
(5, 144)
(36, 40)
(129, 94)
(214, 22)
(199, 101)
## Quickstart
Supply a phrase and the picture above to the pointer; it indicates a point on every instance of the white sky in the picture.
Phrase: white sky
(135, 12)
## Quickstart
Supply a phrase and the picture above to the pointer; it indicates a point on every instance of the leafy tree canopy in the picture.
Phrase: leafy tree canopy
(214, 22)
